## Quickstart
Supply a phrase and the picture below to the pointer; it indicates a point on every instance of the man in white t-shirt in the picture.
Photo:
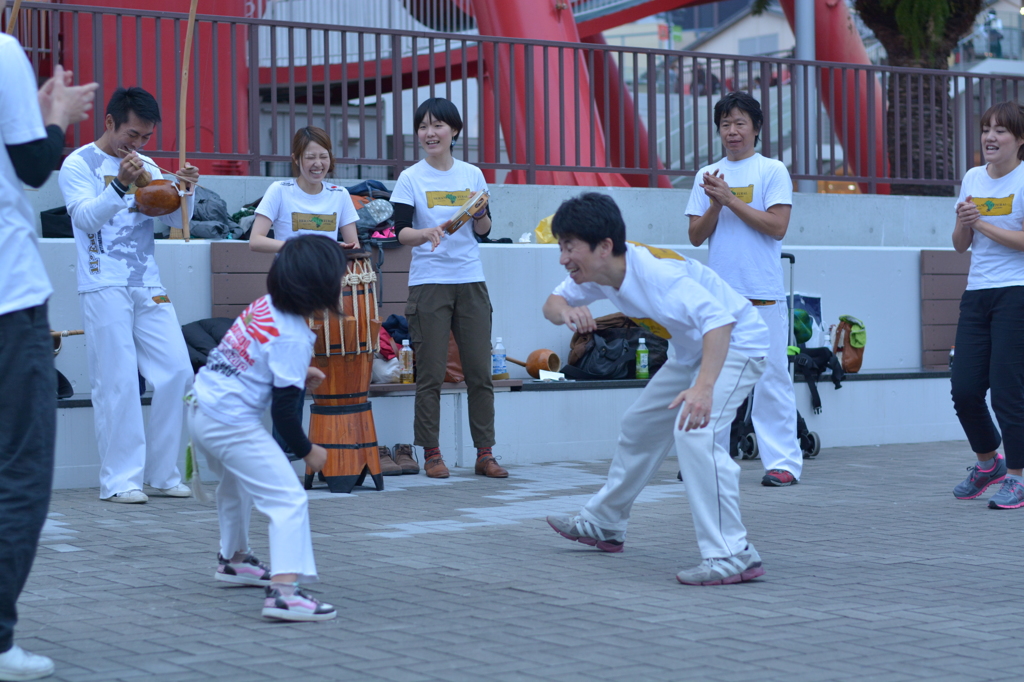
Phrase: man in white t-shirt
(719, 344)
(741, 205)
(28, 391)
(130, 324)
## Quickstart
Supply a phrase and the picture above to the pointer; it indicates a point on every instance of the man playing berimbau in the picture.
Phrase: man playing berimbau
(719, 342)
(130, 324)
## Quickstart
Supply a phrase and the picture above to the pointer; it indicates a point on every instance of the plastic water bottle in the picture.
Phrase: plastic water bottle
(499, 366)
(406, 375)
(642, 360)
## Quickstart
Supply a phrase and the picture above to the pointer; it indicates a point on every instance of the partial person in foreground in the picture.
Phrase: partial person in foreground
(719, 342)
(263, 361)
(741, 207)
(130, 323)
(447, 292)
(32, 129)
(990, 331)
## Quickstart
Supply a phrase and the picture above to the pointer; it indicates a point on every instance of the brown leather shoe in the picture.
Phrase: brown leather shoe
(487, 466)
(387, 465)
(435, 468)
(405, 458)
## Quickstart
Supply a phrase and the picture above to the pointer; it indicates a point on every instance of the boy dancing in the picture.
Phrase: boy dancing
(720, 343)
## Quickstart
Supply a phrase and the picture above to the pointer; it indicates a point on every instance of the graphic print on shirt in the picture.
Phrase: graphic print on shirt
(232, 356)
(448, 198)
(314, 221)
(744, 194)
(989, 206)
(95, 247)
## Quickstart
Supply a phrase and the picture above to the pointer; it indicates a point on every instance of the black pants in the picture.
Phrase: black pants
(28, 420)
(990, 356)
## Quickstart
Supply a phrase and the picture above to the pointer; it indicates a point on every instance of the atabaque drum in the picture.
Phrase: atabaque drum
(341, 420)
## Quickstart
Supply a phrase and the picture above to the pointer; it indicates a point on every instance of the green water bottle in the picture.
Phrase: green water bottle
(642, 367)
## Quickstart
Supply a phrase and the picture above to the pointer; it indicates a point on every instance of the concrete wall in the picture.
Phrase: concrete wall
(656, 215)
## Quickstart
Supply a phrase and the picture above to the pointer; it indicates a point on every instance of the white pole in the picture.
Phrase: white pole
(805, 143)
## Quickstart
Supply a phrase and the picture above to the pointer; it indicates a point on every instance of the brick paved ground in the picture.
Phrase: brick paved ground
(872, 574)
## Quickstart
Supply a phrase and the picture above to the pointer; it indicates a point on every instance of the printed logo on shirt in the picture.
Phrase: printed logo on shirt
(652, 326)
(994, 205)
(315, 222)
(258, 321)
(95, 247)
(107, 179)
(744, 194)
(161, 299)
(453, 198)
(659, 252)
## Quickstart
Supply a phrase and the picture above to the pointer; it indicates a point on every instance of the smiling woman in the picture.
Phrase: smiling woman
(447, 291)
(990, 331)
(309, 204)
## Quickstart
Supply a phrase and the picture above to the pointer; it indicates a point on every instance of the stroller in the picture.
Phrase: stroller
(742, 439)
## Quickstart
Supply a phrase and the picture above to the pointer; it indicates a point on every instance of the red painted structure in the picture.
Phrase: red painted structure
(210, 74)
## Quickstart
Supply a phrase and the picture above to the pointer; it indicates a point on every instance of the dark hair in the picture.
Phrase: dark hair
(1009, 115)
(592, 218)
(306, 276)
(441, 110)
(745, 103)
(301, 140)
(135, 100)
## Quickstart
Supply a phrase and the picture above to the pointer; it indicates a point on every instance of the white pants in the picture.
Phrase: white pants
(126, 332)
(254, 471)
(774, 413)
(649, 431)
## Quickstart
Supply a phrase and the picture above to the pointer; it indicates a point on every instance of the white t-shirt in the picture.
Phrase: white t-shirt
(23, 280)
(679, 300)
(265, 348)
(437, 196)
(1001, 203)
(114, 240)
(294, 212)
(745, 258)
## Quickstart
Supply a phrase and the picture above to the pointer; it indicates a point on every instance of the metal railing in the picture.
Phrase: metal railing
(532, 109)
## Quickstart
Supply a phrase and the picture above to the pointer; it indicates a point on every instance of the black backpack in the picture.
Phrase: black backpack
(610, 352)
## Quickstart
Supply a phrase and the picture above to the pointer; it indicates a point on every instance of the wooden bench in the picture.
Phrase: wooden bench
(943, 282)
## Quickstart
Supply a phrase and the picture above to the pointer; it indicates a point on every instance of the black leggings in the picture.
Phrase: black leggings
(990, 355)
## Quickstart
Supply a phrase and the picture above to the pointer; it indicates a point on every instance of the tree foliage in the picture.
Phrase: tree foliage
(919, 33)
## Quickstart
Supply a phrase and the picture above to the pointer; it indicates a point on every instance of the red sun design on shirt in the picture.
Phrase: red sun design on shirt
(259, 321)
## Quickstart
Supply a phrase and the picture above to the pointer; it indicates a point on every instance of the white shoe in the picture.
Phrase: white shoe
(129, 497)
(18, 664)
(180, 490)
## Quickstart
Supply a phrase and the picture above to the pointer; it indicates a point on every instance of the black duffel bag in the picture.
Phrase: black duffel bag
(610, 352)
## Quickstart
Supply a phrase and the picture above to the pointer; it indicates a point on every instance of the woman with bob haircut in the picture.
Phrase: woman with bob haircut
(990, 332)
(263, 361)
(309, 204)
(447, 291)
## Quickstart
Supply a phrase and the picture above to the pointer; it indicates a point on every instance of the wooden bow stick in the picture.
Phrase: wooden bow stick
(14, 17)
(182, 108)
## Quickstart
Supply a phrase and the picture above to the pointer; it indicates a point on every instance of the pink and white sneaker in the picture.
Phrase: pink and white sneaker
(248, 571)
(298, 606)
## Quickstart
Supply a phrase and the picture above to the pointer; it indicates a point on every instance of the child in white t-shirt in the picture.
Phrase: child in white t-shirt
(309, 204)
(990, 331)
(263, 361)
(447, 292)
(719, 344)
(741, 205)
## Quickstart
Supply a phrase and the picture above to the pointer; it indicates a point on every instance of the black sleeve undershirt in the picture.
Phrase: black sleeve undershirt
(34, 161)
(403, 217)
(286, 412)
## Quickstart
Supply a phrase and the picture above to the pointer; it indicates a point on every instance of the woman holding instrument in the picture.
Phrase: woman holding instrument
(309, 204)
(447, 292)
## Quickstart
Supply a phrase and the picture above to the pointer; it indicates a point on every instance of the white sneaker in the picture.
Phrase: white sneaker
(180, 490)
(18, 664)
(738, 568)
(129, 497)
